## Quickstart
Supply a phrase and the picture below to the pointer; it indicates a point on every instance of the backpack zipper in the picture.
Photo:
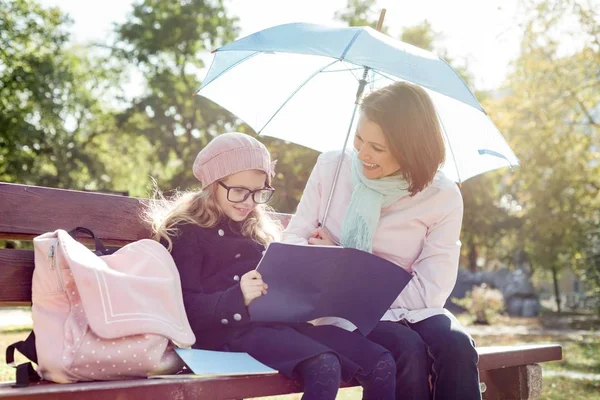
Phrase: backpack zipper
(52, 256)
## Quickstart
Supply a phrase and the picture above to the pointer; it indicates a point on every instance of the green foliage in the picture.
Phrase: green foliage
(33, 84)
(489, 221)
(421, 35)
(483, 304)
(360, 13)
(31, 79)
(50, 108)
(549, 114)
(167, 42)
(587, 264)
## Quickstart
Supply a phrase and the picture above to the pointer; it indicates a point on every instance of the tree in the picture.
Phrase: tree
(49, 101)
(550, 117)
(588, 264)
(166, 41)
(26, 97)
(489, 220)
(421, 35)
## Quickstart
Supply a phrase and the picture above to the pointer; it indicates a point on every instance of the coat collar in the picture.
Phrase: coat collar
(229, 226)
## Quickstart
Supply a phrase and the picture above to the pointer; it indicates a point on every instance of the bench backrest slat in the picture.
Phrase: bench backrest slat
(28, 211)
(16, 270)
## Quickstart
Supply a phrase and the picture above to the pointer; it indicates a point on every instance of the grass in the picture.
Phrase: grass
(7, 338)
(580, 354)
(556, 388)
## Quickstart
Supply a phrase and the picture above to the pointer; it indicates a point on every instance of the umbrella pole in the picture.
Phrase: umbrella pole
(361, 87)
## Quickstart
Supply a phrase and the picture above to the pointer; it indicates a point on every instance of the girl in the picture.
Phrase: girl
(217, 237)
(392, 200)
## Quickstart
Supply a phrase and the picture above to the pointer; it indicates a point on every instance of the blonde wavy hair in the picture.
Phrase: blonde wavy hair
(162, 214)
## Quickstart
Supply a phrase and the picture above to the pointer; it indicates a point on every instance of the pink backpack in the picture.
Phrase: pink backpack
(106, 317)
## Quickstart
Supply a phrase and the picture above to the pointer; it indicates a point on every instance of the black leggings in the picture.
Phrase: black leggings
(380, 382)
(321, 378)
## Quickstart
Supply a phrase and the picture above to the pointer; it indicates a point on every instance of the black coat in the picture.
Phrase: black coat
(211, 262)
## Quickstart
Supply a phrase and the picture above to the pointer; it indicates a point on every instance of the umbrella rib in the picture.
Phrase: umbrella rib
(347, 49)
(202, 86)
(395, 78)
(465, 85)
(294, 93)
(345, 70)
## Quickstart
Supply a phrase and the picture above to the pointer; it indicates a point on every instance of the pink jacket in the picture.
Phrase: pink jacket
(419, 233)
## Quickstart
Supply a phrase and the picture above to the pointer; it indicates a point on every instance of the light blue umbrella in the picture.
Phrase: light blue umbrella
(302, 82)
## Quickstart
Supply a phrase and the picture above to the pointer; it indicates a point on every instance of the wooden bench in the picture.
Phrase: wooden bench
(27, 211)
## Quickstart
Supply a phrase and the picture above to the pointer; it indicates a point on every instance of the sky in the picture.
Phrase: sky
(484, 34)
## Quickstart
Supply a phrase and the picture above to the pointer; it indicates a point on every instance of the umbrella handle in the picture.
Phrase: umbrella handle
(381, 18)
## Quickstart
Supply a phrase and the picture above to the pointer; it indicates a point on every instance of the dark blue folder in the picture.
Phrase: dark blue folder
(309, 282)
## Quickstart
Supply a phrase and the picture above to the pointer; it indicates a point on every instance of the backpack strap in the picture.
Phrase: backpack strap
(25, 347)
(25, 372)
(25, 375)
(101, 249)
(99, 245)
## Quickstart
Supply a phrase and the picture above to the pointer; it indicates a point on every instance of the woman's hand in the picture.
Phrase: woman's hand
(321, 237)
(252, 286)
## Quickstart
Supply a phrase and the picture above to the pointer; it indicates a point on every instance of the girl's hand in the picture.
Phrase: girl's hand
(321, 237)
(252, 286)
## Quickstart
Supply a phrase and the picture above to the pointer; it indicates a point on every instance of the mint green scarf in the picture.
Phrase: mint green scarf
(368, 198)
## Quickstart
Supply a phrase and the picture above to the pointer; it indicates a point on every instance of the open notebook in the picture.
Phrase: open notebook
(210, 364)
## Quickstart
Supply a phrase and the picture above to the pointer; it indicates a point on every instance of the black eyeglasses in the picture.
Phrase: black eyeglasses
(240, 194)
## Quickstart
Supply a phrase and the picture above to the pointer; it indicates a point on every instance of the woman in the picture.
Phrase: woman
(217, 236)
(392, 200)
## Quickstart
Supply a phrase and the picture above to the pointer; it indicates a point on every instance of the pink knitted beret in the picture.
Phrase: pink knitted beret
(229, 153)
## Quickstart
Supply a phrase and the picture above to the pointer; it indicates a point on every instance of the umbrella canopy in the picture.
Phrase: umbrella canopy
(298, 82)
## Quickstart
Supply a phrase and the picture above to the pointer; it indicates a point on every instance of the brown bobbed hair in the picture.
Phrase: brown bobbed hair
(409, 121)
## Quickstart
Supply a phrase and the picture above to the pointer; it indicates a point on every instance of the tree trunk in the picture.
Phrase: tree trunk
(556, 291)
(473, 258)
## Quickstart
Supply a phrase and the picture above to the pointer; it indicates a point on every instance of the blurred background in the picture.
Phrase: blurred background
(98, 96)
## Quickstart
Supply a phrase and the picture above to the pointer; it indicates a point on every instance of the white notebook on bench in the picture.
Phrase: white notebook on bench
(210, 364)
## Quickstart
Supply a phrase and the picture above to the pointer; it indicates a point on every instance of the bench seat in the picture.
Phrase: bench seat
(506, 372)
